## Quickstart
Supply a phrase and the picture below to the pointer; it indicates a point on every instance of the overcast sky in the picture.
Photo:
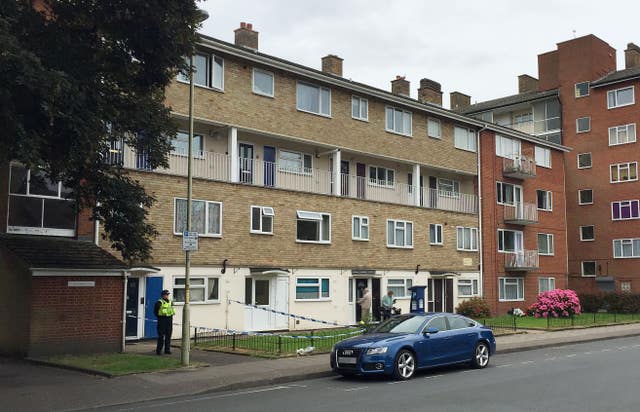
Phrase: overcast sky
(477, 47)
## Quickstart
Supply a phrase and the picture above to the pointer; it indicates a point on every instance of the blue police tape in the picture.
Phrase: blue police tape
(291, 315)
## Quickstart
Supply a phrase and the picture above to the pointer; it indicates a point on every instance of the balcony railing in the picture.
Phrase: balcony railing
(521, 261)
(519, 167)
(521, 213)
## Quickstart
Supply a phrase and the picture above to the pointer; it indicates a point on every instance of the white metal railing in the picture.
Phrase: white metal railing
(452, 201)
(521, 211)
(524, 259)
(519, 166)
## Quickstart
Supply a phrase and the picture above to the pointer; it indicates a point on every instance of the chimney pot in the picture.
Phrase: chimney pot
(246, 36)
(332, 64)
(632, 56)
(400, 86)
(459, 101)
(249, 26)
(430, 92)
(243, 25)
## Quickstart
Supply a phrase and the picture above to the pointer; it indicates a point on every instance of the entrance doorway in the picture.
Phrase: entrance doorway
(344, 178)
(440, 292)
(245, 153)
(373, 284)
(132, 310)
(142, 294)
(268, 292)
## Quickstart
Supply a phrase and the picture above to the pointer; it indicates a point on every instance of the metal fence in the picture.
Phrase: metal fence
(510, 324)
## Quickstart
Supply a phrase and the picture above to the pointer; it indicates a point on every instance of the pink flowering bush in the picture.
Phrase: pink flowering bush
(559, 303)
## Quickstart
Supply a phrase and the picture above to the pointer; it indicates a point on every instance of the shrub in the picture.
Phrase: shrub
(559, 303)
(474, 308)
(591, 302)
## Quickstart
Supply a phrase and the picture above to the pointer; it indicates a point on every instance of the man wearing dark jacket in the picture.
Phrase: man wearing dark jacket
(164, 311)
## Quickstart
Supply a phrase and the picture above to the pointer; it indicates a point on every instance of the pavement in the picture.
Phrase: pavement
(26, 386)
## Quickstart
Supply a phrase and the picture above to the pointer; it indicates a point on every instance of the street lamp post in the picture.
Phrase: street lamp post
(186, 313)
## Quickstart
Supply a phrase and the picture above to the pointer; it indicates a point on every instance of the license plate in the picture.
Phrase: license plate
(342, 359)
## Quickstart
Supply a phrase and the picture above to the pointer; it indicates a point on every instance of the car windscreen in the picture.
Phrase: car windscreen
(401, 324)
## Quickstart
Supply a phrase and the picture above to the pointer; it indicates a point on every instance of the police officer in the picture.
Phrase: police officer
(164, 311)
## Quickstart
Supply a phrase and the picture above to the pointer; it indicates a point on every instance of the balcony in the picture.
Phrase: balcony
(521, 261)
(521, 213)
(520, 167)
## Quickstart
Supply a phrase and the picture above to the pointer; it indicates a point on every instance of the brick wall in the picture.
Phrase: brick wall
(84, 225)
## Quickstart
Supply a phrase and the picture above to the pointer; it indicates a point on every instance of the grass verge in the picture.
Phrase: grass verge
(117, 364)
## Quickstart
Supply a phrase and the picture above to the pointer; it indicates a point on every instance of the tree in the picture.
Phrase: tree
(77, 75)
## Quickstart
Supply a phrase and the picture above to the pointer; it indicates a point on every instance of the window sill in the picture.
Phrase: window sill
(253, 232)
(621, 105)
(313, 242)
(587, 240)
(624, 181)
(360, 120)
(436, 244)
(435, 137)
(511, 300)
(214, 89)
(313, 300)
(41, 231)
(545, 210)
(399, 247)
(585, 204)
(200, 235)
(466, 150)
(626, 257)
(398, 133)
(271, 96)
(359, 240)
(588, 276)
(475, 250)
(620, 144)
(326, 116)
(546, 254)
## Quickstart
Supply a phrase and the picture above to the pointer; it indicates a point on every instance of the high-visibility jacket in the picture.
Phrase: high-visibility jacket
(166, 308)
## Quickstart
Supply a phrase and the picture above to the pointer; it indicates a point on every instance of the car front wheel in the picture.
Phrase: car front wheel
(481, 356)
(405, 365)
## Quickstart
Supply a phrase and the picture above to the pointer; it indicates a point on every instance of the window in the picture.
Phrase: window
(435, 234)
(400, 287)
(263, 83)
(588, 268)
(262, 220)
(38, 206)
(399, 234)
(510, 240)
(448, 187)
(624, 210)
(313, 227)
(506, 193)
(467, 238)
(360, 228)
(546, 284)
(624, 172)
(587, 233)
(201, 289)
(295, 162)
(544, 200)
(208, 71)
(511, 289)
(398, 121)
(546, 117)
(582, 89)
(314, 99)
(312, 289)
(584, 160)
(206, 217)
(464, 138)
(545, 244)
(620, 97)
(359, 108)
(622, 134)
(467, 288)
(506, 147)
(180, 144)
(434, 128)
(585, 197)
(543, 156)
(381, 176)
(626, 248)
(523, 118)
(583, 124)
(625, 286)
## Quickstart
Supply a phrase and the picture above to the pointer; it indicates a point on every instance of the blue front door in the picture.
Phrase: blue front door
(152, 294)
(269, 166)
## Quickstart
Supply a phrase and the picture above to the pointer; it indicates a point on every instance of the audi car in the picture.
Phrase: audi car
(406, 343)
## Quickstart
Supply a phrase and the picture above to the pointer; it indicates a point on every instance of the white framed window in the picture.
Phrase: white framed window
(313, 227)
(359, 108)
(263, 82)
(309, 288)
(202, 289)
(544, 200)
(180, 144)
(360, 228)
(546, 284)
(587, 233)
(622, 134)
(435, 234)
(510, 241)
(584, 160)
(543, 157)
(399, 234)
(625, 286)
(467, 288)
(583, 124)
(467, 239)
(523, 118)
(620, 97)
(545, 244)
(624, 172)
(381, 176)
(398, 121)
(588, 268)
(400, 287)
(511, 289)
(507, 147)
(585, 197)
(508, 194)
(208, 71)
(625, 210)
(206, 217)
(434, 128)
(295, 162)
(448, 187)
(313, 99)
(582, 89)
(464, 138)
(546, 117)
(626, 248)
(262, 220)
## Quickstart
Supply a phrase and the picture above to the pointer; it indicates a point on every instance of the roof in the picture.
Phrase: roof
(509, 101)
(617, 76)
(44, 252)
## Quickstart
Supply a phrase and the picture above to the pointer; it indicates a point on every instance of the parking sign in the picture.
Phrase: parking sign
(190, 241)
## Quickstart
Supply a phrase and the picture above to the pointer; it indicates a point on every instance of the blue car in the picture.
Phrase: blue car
(405, 343)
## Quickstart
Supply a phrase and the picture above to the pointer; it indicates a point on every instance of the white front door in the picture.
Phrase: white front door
(271, 293)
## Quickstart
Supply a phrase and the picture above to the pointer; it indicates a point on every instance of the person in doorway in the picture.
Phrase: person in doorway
(164, 311)
(387, 305)
(365, 305)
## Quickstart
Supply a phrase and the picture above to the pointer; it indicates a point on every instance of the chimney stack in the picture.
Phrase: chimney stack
(400, 86)
(632, 56)
(459, 101)
(246, 37)
(332, 64)
(527, 83)
(430, 92)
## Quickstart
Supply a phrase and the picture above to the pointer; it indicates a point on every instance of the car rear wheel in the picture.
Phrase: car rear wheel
(405, 365)
(481, 356)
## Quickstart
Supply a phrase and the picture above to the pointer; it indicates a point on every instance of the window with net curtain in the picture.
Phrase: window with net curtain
(511, 289)
(314, 99)
(399, 287)
(206, 217)
(202, 289)
(312, 288)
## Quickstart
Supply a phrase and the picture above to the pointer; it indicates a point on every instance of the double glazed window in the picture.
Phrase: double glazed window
(546, 117)
(206, 217)
(626, 248)
(546, 284)
(263, 82)
(434, 128)
(467, 288)
(587, 233)
(400, 287)
(583, 124)
(511, 289)
(208, 71)
(543, 156)
(399, 234)
(544, 200)
(262, 220)
(625, 210)
(622, 134)
(510, 241)
(435, 234)
(507, 147)
(582, 89)
(360, 228)
(507, 193)
(381, 176)
(201, 289)
(588, 268)
(180, 144)
(398, 121)
(620, 97)
(467, 239)
(448, 187)
(313, 227)
(295, 162)
(624, 172)
(585, 197)
(359, 108)
(464, 138)
(312, 289)
(545, 244)
(314, 99)
(584, 160)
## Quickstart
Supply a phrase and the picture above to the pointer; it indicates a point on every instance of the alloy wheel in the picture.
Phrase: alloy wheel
(482, 355)
(406, 365)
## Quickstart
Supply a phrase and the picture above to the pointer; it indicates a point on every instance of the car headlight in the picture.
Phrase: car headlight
(377, 351)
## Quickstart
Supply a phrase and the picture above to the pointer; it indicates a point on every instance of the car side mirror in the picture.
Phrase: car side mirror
(430, 330)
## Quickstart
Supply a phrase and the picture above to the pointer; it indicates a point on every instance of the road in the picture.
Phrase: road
(596, 376)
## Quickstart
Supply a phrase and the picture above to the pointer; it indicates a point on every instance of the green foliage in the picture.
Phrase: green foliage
(476, 308)
(611, 302)
(118, 363)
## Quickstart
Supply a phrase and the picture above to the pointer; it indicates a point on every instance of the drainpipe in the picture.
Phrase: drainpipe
(481, 261)
(124, 311)
(96, 229)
